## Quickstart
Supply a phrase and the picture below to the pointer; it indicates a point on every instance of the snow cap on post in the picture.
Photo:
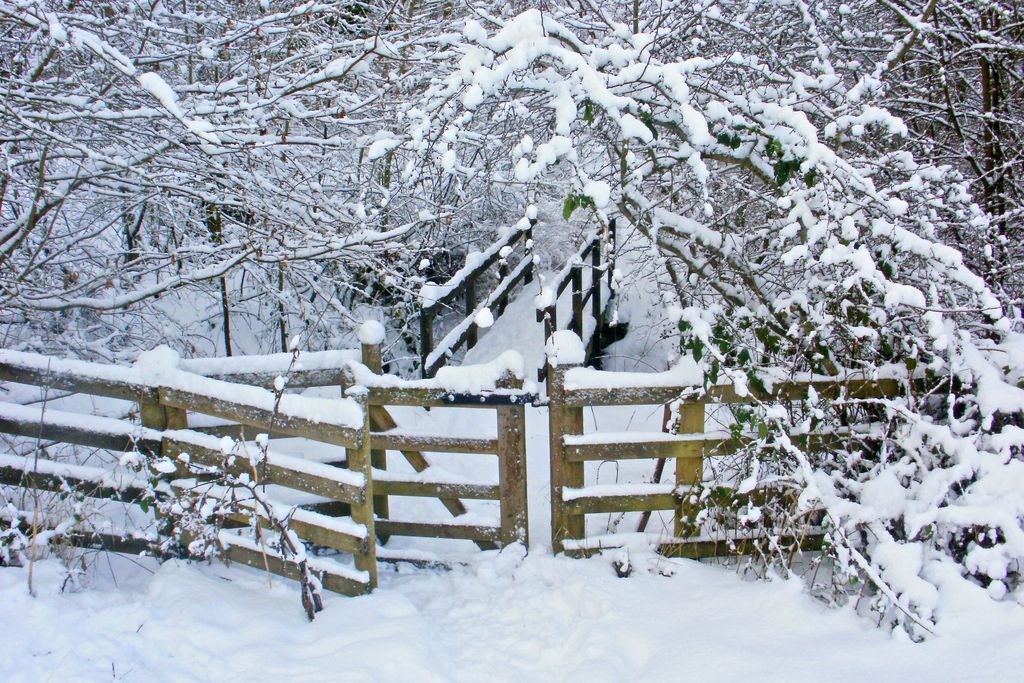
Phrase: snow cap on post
(371, 333)
(564, 347)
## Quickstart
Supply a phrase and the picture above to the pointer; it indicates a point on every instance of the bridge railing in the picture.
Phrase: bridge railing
(460, 291)
(596, 258)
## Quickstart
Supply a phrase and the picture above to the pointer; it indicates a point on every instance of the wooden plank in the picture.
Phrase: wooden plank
(79, 436)
(428, 398)
(649, 449)
(425, 489)
(480, 268)
(829, 389)
(438, 444)
(305, 526)
(621, 503)
(448, 531)
(512, 475)
(268, 473)
(257, 560)
(17, 476)
(239, 432)
(24, 374)
(297, 379)
(704, 548)
(701, 446)
(257, 417)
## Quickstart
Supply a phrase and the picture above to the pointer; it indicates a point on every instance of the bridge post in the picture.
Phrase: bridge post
(576, 324)
(426, 338)
(595, 300)
(528, 278)
(470, 294)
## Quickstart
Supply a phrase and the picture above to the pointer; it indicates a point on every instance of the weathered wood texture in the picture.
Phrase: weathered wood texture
(726, 393)
(562, 420)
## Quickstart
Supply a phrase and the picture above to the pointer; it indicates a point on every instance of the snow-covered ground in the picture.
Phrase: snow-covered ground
(505, 617)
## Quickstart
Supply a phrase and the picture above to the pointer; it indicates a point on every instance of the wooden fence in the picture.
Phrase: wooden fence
(507, 400)
(164, 403)
(461, 290)
(688, 448)
(597, 255)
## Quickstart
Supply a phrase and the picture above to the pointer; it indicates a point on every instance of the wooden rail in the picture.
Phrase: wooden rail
(163, 406)
(462, 288)
(688, 448)
(598, 256)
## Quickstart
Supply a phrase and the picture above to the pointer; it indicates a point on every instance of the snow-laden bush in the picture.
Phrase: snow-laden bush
(800, 240)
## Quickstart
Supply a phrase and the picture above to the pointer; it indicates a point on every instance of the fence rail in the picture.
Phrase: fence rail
(163, 407)
(687, 448)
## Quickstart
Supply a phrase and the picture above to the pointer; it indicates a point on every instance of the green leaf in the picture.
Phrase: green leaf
(144, 505)
(570, 205)
(588, 111)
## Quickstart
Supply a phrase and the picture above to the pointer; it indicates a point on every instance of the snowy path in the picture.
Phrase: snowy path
(505, 618)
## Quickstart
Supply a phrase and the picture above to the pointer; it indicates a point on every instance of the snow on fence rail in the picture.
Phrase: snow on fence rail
(599, 249)
(434, 298)
(165, 394)
(572, 388)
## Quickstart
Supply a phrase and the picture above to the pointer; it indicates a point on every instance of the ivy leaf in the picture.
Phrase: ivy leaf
(571, 204)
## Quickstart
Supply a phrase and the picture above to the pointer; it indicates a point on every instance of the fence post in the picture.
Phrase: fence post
(154, 415)
(563, 420)
(689, 471)
(359, 460)
(512, 468)
(576, 325)
(372, 359)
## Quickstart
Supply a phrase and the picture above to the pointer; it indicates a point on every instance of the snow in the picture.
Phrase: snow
(503, 617)
(484, 318)
(565, 348)
(371, 333)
